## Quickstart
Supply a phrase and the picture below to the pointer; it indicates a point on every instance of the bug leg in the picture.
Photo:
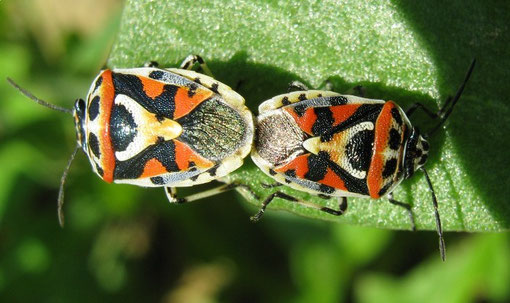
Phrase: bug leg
(406, 206)
(248, 189)
(171, 193)
(411, 109)
(342, 206)
(442, 246)
(327, 85)
(191, 60)
(269, 199)
(444, 112)
(239, 84)
(297, 86)
(60, 200)
(151, 64)
(266, 185)
(357, 90)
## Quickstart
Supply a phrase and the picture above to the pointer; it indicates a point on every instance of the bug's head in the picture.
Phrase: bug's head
(79, 112)
(415, 154)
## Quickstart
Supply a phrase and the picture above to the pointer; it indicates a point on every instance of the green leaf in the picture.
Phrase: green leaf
(408, 52)
(478, 266)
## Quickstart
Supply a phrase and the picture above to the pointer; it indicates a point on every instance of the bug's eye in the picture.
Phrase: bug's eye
(79, 106)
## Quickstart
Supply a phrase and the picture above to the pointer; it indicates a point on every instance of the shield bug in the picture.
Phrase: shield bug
(156, 127)
(343, 146)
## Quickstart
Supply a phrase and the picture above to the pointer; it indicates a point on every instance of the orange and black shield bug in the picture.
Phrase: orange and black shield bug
(158, 127)
(342, 146)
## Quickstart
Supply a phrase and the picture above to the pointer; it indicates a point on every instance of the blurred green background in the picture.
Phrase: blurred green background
(124, 243)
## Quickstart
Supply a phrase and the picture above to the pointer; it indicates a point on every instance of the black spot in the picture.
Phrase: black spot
(300, 109)
(337, 100)
(151, 64)
(287, 181)
(94, 145)
(194, 178)
(389, 168)
(157, 74)
(323, 123)
(94, 108)
(285, 101)
(396, 115)
(302, 97)
(157, 180)
(326, 189)
(79, 106)
(318, 96)
(317, 166)
(197, 80)
(213, 170)
(418, 153)
(98, 83)
(160, 117)
(394, 140)
(272, 172)
(359, 150)
(214, 87)
(425, 145)
(99, 170)
(385, 189)
(291, 173)
(123, 128)
(192, 90)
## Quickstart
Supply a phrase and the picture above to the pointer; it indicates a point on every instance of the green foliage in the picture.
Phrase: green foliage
(473, 272)
(394, 52)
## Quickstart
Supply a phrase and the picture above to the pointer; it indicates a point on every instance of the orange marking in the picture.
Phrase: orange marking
(299, 164)
(107, 153)
(382, 127)
(333, 180)
(185, 104)
(304, 122)
(184, 155)
(153, 168)
(151, 87)
(343, 112)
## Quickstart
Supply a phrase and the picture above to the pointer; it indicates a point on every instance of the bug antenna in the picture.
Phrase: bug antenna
(442, 246)
(444, 115)
(37, 100)
(60, 201)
